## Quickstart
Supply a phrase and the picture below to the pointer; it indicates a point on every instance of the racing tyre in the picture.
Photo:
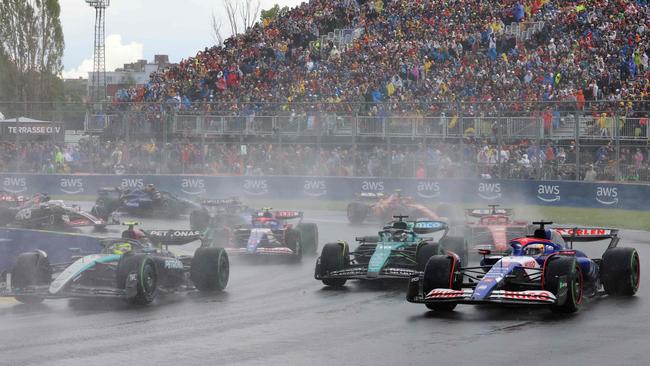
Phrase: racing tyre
(199, 220)
(334, 257)
(439, 272)
(137, 275)
(357, 212)
(424, 252)
(557, 267)
(294, 242)
(456, 245)
(31, 269)
(308, 237)
(210, 269)
(621, 271)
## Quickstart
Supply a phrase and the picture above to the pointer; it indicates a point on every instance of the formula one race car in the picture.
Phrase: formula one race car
(542, 269)
(400, 251)
(134, 270)
(143, 202)
(382, 207)
(40, 212)
(219, 213)
(494, 229)
(269, 234)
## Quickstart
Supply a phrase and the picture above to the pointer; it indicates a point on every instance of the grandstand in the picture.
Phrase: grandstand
(516, 89)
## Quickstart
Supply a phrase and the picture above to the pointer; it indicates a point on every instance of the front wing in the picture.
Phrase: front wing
(415, 294)
(263, 251)
(361, 273)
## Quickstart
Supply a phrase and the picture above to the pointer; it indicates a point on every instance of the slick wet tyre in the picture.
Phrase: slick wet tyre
(424, 252)
(621, 271)
(294, 242)
(31, 269)
(210, 269)
(308, 237)
(138, 276)
(334, 257)
(567, 267)
(439, 272)
(457, 245)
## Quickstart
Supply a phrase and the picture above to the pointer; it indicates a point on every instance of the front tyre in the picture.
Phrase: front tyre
(31, 269)
(561, 271)
(621, 271)
(357, 212)
(440, 272)
(424, 252)
(138, 276)
(308, 237)
(210, 269)
(334, 257)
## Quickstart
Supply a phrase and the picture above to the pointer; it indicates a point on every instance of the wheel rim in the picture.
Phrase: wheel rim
(636, 271)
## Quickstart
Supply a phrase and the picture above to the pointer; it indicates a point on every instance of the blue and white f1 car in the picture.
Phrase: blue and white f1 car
(542, 269)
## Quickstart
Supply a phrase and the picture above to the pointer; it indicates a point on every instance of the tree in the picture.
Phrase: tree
(273, 12)
(241, 15)
(31, 45)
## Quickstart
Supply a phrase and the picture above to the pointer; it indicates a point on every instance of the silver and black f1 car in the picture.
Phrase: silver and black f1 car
(41, 212)
(134, 270)
(399, 251)
(141, 202)
(542, 269)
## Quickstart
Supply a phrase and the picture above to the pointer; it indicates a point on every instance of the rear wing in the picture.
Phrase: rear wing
(233, 201)
(588, 234)
(371, 195)
(482, 212)
(287, 215)
(173, 237)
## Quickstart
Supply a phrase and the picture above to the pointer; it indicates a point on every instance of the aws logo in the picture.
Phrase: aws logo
(489, 191)
(15, 184)
(132, 183)
(193, 186)
(548, 192)
(256, 187)
(428, 189)
(314, 188)
(372, 186)
(607, 195)
(71, 185)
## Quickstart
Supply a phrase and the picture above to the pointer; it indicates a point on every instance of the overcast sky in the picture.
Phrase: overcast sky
(137, 29)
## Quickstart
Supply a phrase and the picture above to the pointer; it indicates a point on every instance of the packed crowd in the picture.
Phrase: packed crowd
(423, 56)
(471, 158)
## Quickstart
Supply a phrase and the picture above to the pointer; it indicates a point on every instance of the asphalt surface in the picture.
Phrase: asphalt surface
(277, 314)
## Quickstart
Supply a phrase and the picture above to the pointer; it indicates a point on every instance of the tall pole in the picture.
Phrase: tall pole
(98, 89)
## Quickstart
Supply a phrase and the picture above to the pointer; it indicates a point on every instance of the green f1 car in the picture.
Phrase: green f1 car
(401, 249)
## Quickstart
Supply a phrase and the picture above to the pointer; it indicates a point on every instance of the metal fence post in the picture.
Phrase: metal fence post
(577, 145)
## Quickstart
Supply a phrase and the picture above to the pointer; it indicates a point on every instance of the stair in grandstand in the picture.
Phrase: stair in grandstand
(341, 38)
(523, 30)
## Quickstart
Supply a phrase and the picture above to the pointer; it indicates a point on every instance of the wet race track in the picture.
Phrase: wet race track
(277, 314)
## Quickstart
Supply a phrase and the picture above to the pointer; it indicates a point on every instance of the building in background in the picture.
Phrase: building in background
(133, 74)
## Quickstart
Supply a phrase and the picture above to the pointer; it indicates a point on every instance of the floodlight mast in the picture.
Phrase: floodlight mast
(98, 89)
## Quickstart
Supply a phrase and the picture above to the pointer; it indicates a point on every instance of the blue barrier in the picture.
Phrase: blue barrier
(552, 193)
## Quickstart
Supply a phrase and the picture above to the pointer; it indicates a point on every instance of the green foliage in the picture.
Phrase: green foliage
(272, 12)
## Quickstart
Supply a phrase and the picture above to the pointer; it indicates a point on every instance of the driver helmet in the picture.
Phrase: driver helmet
(150, 188)
(534, 249)
(121, 249)
(136, 234)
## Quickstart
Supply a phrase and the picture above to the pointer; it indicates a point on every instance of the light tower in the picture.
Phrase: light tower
(98, 88)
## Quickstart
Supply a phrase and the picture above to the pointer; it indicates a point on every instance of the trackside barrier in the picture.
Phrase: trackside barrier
(532, 192)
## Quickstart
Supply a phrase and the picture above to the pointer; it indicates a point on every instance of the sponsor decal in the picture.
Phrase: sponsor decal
(132, 183)
(193, 186)
(428, 225)
(256, 187)
(607, 195)
(71, 185)
(175, 233)
(428, 189)
(34, 130)
(173, 264)
(287, 214)
(372, 186)
(548, 192)
(583, 232)
(314, 188)
(15, 184)
(489, 191)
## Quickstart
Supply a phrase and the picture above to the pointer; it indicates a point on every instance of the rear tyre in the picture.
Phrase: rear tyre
(357, 212)
(456, 245)
(199, 220)
(294, 242)
(210, 269)
(621, 271)
(31, 269)
(137, 274)
(308, 237)
(334, 257)
(561, 266)
(439, 272)
(424, 252)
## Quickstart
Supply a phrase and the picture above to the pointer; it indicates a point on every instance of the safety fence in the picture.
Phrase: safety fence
(487, 191)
